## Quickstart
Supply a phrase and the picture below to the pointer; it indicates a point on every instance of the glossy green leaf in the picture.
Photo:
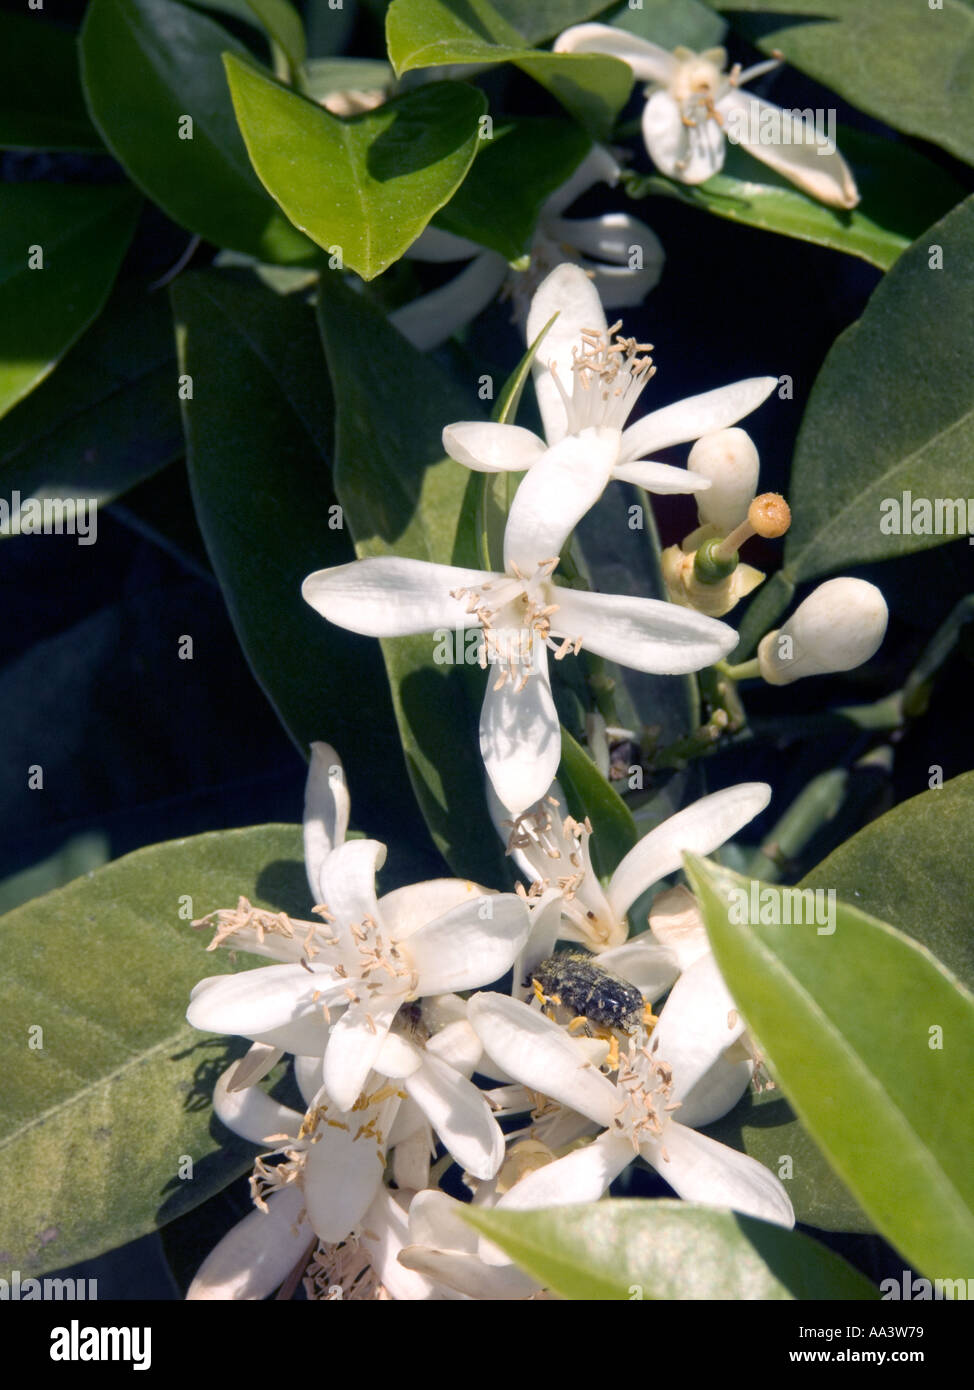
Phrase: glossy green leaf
(872, 1041)
(147, 65)
(108, 417)
(879, 230)
(259, 437)
(667, 1251)
(913, 868)
(430, 33)
(102, 1112)
(60, 249)
(921, 59)
(515, 172)
(282, 23)
(401, 497)
(41, 102)
(363, 187)
(589, 794)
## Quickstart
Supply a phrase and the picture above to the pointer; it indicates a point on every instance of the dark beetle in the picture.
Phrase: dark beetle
(572, 979)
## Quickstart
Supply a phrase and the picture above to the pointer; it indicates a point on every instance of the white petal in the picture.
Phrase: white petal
(460, 1115)
(355, 1044)
(438, 247)
(257, 1001)
(698, 1023)
(700, 1169)
(644, 963)
(663, 478)
(470, 946)
(520, 738)
(689, 153)
(729, 459)
(406, 909)
(436, 1219)
(569, 293)
(433, 318)
(560, 488)
(676, 923)
(326, 808)
(618, 286)
(252, 1113)
(260, 1059)
(257, 1254)
(613, 237)
(644, 633)
(385, 1230)
(347, 883)
(490, 448)
(581, 1176)
(697, 415)
(308, 1075)
(468, 1274)
(409, 1121)
(390, 596)
(458, 1045)
(717, 1092)
(411, 1157)
(398, 1057)
(542, 1056)
(598, 166)
(648, 61)
(341, 1177)
(307, 1035)
(815, 166)
(699, 828)
(545, 927)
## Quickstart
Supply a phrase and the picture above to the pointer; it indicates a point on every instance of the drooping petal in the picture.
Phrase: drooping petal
(569, 293)
(460, 1115)
(663, 478)
(470, 946)
(689, 153)
(520, 738)
(648, 61)
(700, 1169)
(257, 1001)
(490, 448)
(252, 1113)
(645, 964)
(392, 596)
(354, 1045)
(644, 633)
(433, 318)
(542, 1056)
(561, 487)
(697, 415)
(581, 1176)
(326, 808)
(797, 151)
(258, 1253)
(699, 828)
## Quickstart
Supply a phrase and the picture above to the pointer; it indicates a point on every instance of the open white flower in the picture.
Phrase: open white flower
(602, 246)
(692, 102)
(587, 385)
(689, 1070)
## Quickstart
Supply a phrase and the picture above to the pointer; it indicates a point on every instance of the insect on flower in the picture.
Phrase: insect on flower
(572, 980)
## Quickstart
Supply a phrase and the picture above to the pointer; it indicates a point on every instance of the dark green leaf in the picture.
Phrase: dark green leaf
(41, 103)
(282, 23)
(671, 23)
(589, 794)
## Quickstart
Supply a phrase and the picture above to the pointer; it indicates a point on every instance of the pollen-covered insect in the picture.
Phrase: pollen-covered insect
(573, 980)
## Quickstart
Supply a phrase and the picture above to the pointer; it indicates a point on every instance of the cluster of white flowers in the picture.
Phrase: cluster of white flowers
(400, 1044)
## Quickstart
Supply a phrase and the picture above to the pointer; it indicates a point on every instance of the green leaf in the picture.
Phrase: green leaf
(81, 234)
(846, 1021)
(402, 497)
(896, 396)
(879, 230)
(913, 868)
(102, 1112)
(669, 1251)
(259, 437)
(430, 33)
(589, 794)
(514, 174)
(108, 417)
(671, 23)
(146, 66)
(323, 76)
(921, 61)
(41, 103)
(281, 21)
(363, 187)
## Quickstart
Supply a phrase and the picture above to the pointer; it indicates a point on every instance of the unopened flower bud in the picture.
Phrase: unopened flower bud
(840, 625)
(730, 461)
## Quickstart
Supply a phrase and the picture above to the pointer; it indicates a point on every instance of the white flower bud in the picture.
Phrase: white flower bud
(729, 459)
(840, 625)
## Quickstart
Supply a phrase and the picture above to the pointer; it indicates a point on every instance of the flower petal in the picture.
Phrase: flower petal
(347, 883)
(467, 1274)
(700, 1169)
(650, 967)
(341, 1177)
(689, 153)
(252, 1113)
(561, 487)
(460, 1115)
(411, 1156)
(663, 478)
(258, 1253)
(699, 828)
(676, 923)
(260, 1059)
(458, 1045)
(542, 1056)
(257, 1001)
(644, 633)
(613, 238)
(433, 318)
(398, 1057)
(491, 448)
(814, 165)
(569, 293)
(581, 1176)
(598, 166)
(648, 61)
(520, 738)
(406, 909)
(438, 247)
(385, 1231)
(392, 596)
(697, 415)
(326, 808)
(354, 1045)
(698, 1024)
(470, 946)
